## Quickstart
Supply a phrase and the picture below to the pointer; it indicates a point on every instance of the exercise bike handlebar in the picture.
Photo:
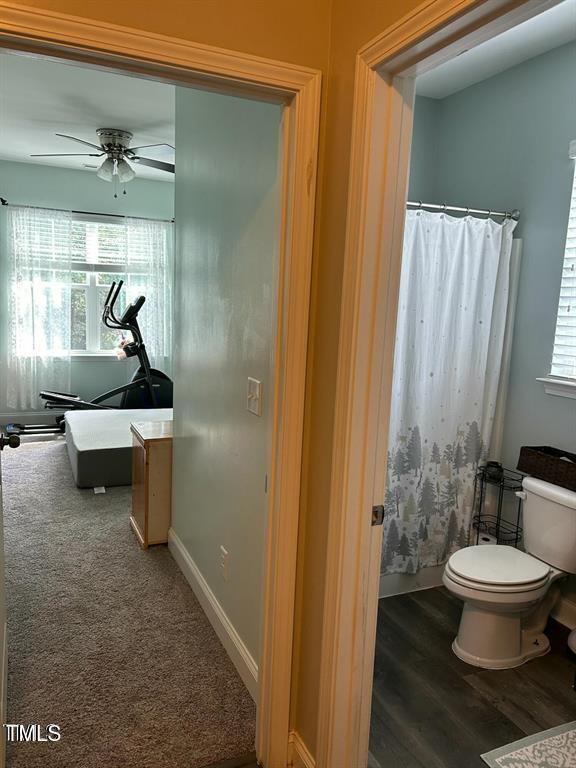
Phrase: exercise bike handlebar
(109, 294)
(108, 313)
(110, 319)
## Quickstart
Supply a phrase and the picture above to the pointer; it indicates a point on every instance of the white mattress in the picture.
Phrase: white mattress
(94, 430)
(100, 444)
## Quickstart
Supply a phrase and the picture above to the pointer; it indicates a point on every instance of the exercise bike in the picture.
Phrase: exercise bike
(148, 387)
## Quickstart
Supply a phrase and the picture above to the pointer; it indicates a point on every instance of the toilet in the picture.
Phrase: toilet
(508, 594)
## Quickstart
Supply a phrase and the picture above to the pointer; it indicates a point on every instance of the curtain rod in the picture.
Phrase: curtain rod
(515, 214)
(3, 201)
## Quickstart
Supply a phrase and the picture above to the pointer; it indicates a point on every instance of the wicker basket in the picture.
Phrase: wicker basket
(549, 464)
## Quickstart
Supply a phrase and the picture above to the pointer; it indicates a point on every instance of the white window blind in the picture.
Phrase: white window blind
(103, 251)
(564, 355)
(109, 244)
(67, 263)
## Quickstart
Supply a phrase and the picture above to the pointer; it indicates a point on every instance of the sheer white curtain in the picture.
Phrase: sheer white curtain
(449, 342)
(38, 343)
(151, 241)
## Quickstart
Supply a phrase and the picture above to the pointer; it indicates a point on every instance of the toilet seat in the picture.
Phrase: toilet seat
(497, 569)
(494, 589)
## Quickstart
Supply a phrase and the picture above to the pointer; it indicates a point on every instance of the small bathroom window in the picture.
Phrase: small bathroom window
(564, 355)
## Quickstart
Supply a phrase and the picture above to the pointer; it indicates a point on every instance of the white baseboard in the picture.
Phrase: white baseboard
(565, 613)
(299, 755)
(229, 637)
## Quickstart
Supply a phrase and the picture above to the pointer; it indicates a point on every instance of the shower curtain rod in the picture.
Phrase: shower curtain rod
(515, 214)
(3, 201)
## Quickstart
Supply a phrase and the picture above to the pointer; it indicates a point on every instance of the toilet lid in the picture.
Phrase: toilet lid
(497, 564)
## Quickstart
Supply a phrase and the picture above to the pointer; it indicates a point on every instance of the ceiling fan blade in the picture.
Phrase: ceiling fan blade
(80, 141)
(154, 163)
(148, 146)
(59, 154)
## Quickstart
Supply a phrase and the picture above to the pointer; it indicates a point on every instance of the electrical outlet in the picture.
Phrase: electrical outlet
(224, 562)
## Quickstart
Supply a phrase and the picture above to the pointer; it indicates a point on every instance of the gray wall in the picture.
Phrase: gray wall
(226, 249)
(41, 185)
(424, 154)
(503, 144)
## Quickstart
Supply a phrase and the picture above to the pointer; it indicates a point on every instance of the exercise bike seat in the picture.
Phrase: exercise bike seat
(48, 395)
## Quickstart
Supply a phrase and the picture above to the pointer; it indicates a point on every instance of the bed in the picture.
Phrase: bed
(100, 444)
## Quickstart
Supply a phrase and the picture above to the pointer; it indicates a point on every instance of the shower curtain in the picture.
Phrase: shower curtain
(449, 342)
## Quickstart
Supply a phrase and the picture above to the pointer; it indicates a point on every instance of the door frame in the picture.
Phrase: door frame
(297, 88)
(435, 32)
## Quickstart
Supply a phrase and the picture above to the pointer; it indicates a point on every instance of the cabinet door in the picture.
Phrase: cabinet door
(139, 500)
(159, 491)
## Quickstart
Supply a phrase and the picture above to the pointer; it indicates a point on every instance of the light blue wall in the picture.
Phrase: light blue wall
(43, 185)
(227, 219)
(503, 144)
(424, 158)
(46, 186)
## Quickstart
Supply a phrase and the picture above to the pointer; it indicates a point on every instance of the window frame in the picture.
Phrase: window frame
(556, 384)
(93, 314)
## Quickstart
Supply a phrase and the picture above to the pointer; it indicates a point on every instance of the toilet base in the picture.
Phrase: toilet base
(531, 646)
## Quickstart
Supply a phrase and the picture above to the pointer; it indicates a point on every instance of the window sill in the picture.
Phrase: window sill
(94, 357)
(559, 387)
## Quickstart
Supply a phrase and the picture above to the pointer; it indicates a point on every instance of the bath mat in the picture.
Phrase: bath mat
(555, 748)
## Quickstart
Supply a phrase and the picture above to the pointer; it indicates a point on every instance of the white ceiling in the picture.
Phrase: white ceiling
(542, 33)
(40, 98)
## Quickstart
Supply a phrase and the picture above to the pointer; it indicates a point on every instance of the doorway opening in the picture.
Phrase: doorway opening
(232, 237)
(419, 484)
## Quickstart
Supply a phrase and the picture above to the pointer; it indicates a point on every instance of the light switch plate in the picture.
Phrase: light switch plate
(254, 396)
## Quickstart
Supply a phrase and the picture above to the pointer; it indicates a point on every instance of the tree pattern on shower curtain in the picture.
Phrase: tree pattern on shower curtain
(449, 340)
(433, 486)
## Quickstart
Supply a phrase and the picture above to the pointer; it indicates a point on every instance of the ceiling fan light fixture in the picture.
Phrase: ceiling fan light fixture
(125, 171)
(106, 170)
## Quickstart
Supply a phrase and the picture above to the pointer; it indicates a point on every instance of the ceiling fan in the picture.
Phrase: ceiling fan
(115, 144)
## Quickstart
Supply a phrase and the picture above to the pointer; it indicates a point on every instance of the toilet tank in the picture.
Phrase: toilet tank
(549, 513)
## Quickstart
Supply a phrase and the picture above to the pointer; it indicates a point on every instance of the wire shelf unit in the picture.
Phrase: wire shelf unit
(504, 481)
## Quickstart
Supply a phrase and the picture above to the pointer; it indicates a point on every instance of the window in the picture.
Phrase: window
(564, 355)
(100, 255)
(62, 268)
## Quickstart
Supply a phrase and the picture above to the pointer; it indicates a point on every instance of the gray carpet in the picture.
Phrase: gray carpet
(106, 640)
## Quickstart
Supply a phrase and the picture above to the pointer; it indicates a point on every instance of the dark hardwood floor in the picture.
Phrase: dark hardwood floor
(431, 710)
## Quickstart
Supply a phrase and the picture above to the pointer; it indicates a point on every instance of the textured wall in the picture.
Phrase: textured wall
(289, 30)
(227, 207)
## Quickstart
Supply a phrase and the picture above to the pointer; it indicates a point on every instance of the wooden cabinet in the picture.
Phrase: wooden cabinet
(151, 481)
